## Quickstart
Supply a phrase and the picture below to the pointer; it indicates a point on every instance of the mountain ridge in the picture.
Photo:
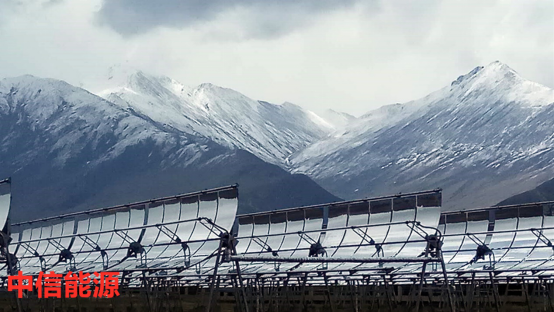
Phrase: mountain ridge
(542, 193)
(67, 149)
(483, 124)
(483, 138)
(221, 114)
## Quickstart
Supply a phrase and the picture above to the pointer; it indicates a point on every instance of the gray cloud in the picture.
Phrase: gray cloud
(53, 2)
(6, 8)
(259, 18)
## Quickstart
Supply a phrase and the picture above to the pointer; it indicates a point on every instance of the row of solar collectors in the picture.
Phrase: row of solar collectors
(382, 219)
(506, 230)
(337, 226)
(348, 229)
(510, 232)
(113, 229)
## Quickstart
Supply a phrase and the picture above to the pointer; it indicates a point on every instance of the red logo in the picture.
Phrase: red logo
(84, 285)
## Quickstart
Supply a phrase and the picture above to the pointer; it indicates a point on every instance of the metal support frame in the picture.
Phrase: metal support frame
(540, 235)
(316, 249)
(169, 233)
(64, 256)
(369, 240)
(93, 245)
(385, 288)
(352, 285)
(11, 259)
(265, 246)
(135, 248)
(227, 248)
(210, 225)
(482, 251)
(174, 238)
(33, 251)
(433, 249)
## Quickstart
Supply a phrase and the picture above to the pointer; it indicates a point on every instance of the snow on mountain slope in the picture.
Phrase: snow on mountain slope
(338, 120)
(271, 132)
(72, 119)
(488, 135)
(485, 137)
(68, 150)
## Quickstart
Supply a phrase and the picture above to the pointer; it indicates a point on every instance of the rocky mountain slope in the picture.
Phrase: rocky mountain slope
(485, 137)
(271, 132)
(67, 149)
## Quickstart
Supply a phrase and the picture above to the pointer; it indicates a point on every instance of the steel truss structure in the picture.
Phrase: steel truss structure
(143, 239)
(382, 253)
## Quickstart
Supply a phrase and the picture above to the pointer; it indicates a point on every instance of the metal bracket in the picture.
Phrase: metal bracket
(368, 239)
(30, 249)
(420, 229)
(135, 248)
(65, 254)
(105, 260)
(265, 246)
(539, 234)
(95, 246)
(56, 244)
(482, 251)
(186, 254)
(128, 239)
(212, 226)
(316, 249)
(176, 239)
(434, 239)
(169, 233)
(89, 242)
(35, 253)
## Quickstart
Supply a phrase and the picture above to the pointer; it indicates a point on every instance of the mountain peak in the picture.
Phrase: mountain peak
(499, 69)
(498, 65)
(120, 76)
(499, 82)
(494, 71)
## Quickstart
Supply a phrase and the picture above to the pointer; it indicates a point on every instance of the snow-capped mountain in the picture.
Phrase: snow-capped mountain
(271, 132)
(67, 149)
(485, 137)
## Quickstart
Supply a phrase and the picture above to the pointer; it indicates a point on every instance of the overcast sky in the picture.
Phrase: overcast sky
(347, 55)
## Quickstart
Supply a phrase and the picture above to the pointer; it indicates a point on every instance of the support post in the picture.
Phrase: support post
(495, 292)
(214, 277)
(420, 290)
(446, 283)
(10, 266)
